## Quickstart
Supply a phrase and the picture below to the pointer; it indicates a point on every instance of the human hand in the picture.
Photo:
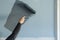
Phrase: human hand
(21, 20)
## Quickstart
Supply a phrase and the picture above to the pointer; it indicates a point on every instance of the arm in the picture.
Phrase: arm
(16, 30)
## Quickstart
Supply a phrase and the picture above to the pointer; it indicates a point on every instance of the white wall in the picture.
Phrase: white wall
(42, 38)
(59, 19)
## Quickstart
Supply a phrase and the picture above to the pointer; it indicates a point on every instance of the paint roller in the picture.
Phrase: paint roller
(19, 9)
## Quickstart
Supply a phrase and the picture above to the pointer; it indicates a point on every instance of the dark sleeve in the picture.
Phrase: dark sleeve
(15, 32)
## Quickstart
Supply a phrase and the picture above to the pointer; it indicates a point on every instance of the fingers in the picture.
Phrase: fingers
(21, 20)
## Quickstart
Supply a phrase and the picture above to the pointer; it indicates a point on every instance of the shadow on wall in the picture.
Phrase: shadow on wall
(1, 34)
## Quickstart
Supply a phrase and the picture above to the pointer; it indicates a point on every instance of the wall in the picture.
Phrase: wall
(40, 25)
(59, 20)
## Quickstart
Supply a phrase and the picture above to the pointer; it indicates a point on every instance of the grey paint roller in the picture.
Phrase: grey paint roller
(19, 9)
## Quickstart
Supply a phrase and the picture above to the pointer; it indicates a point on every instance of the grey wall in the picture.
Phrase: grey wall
(40, 25)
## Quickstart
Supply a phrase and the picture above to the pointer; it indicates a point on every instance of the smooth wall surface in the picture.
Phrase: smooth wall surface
(40, 25)
(59, 20)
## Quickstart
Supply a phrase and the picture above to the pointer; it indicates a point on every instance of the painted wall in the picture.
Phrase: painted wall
(40, 25)
(59, 21)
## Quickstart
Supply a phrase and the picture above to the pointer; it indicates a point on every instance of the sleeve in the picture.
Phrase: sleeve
(15, 32)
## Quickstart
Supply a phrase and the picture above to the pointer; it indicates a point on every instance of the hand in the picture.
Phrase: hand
(21, 20)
